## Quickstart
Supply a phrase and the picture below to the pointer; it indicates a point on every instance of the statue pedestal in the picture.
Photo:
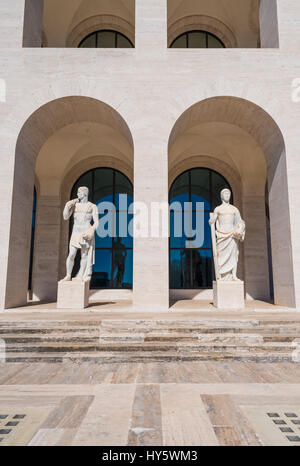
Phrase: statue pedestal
(229, 295)
(73, 295)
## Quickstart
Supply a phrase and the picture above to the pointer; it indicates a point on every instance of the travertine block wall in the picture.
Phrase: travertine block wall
(150, 87)
(46, 248)
(256, 267)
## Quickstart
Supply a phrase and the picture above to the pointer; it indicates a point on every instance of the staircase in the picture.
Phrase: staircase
(134, 340)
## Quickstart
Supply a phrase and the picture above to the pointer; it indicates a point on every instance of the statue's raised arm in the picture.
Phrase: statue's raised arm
(69, 209)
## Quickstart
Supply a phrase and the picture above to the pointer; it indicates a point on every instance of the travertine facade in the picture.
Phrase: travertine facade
(151, 112)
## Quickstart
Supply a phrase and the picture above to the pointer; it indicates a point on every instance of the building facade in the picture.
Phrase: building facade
(159, 100)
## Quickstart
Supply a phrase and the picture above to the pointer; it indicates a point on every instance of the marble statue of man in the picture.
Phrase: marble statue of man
(83, 234)
(230, 230)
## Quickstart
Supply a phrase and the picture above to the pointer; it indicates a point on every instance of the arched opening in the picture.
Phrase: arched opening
(53, 23)
(246, 24)
(192, 268)
(58, 143)
(243, 143)
(113, 266)
(82, 18)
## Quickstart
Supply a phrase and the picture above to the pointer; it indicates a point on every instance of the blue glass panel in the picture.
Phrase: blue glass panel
(175, 240)
(192, 267)
(200, 187)
(196, 198)
(207, 232)
(202, 268)
(102, 269)
(199, 224)
(180, 189)
(103, 185)
(181, 198)
(179, 269)
(122, 267)
(106, 199)
(123, 201)
(102, 241)
(122, 186)
(123, 220)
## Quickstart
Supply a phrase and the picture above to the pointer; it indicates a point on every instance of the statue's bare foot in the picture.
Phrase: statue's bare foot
(78, 278)
(67, 278)
(235, 279)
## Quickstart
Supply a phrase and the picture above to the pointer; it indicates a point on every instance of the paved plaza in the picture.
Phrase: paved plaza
(171, 404)
(116, 378)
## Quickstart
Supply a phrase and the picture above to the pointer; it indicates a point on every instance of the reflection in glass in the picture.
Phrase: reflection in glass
(101, 277)
(122, 265)
(192, 268)
(113, 253)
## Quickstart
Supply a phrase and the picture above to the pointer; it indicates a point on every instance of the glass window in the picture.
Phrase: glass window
(197, 40)
(114, 253)
(89, 42)
(192, 268)
(123, 42)
(106, 39)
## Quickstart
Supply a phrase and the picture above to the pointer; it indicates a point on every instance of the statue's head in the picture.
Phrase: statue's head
(83, 192)
(225, 195)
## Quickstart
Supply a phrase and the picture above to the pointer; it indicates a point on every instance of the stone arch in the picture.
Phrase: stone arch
(228, 127)
(40, 155)
(98, 22)
(205, 23)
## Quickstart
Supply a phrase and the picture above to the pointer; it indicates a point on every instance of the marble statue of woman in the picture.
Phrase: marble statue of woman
(83, 234)
(230, 230)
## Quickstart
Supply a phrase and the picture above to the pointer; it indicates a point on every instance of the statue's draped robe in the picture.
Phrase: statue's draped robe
(83, 214)
(228, 246)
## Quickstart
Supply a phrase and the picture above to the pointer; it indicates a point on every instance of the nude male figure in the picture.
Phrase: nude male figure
(83, 234)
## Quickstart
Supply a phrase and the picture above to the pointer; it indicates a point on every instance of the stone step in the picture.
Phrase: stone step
(171, 329)
(50, 324)
(203, 337)
(143, 326)
(48, 330)
(97, 337)
(192, 347)
(40, 338)
(115, 357)
(181, 337)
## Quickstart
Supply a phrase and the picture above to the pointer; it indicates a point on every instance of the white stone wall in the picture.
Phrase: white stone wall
(150, 87)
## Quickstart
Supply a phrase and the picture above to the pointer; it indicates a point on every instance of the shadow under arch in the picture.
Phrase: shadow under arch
(254, 121)
(38, 128)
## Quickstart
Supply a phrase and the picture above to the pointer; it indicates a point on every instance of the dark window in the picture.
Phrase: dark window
(106, 39)
(197, 40)
(113, 255)
(32, 240)
(192, 268)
